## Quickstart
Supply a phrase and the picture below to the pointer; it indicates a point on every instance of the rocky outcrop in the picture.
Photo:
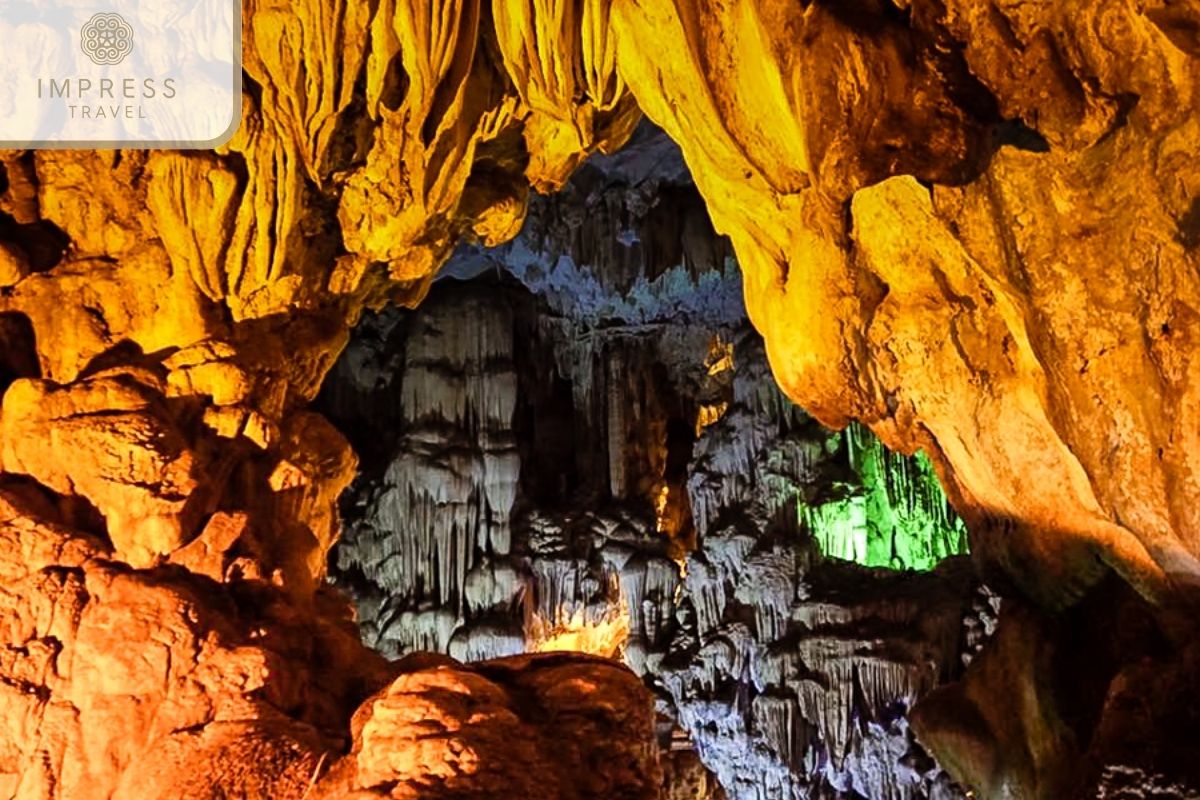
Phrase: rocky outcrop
(929, 248)
(1104, 710)
(551, 727)
(163, 684)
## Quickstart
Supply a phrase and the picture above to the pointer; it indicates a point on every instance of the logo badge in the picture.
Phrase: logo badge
(120, 73)
(107, 39)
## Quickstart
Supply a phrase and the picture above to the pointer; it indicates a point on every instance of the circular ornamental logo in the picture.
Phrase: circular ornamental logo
(107, 39)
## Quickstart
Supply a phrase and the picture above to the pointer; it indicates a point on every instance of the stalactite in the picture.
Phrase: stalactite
(649, 584)
(483, 641)
(900, 518)
(445, 502)
(413, 631)
(773, 670)
(777, 720)
(615, 380)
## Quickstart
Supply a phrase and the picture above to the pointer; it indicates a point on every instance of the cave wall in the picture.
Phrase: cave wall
(966, 224)
(970, 225)
(166, 318)
(1040, 145)
(792, 675)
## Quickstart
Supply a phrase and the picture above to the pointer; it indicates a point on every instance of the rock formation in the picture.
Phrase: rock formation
(972, 226)
(666, 501)
(954, 202)
(165, 319)
(161, 683)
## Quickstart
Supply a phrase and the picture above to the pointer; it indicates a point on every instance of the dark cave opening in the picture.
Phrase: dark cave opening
(18, 350)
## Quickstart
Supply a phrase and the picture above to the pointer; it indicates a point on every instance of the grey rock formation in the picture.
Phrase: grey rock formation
(578, 433)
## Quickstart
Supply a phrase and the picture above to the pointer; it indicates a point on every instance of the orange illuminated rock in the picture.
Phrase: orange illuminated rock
(530, 726)
(109, 440)
(13, 264)
(208, 553)
(163, 685)
(1019, 306)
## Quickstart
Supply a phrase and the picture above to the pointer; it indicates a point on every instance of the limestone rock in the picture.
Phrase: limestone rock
(126, 457)
(991, 293)
(554, 727)
(972, 226)
(207, 554)
(14, 265)
(1104, 709)
(163, 685)
(791, 676)
(108, 664)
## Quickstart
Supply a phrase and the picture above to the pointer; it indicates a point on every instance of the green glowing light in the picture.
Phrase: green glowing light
(897, 517)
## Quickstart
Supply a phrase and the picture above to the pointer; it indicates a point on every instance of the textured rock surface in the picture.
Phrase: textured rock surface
(540, 727)
(686, 528)
(1105, 705)
(971, 225)
(1028, 316)
(164, 319)
(162, 684)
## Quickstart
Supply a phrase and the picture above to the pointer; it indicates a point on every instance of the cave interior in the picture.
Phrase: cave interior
(639, 399)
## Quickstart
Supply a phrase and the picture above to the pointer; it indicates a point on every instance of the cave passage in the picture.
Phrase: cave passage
(576, 443)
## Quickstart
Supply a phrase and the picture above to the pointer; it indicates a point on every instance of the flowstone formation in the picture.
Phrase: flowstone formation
(169, 501)
(575, 442)
(972, 226)
(901, 518)
(978, 239)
